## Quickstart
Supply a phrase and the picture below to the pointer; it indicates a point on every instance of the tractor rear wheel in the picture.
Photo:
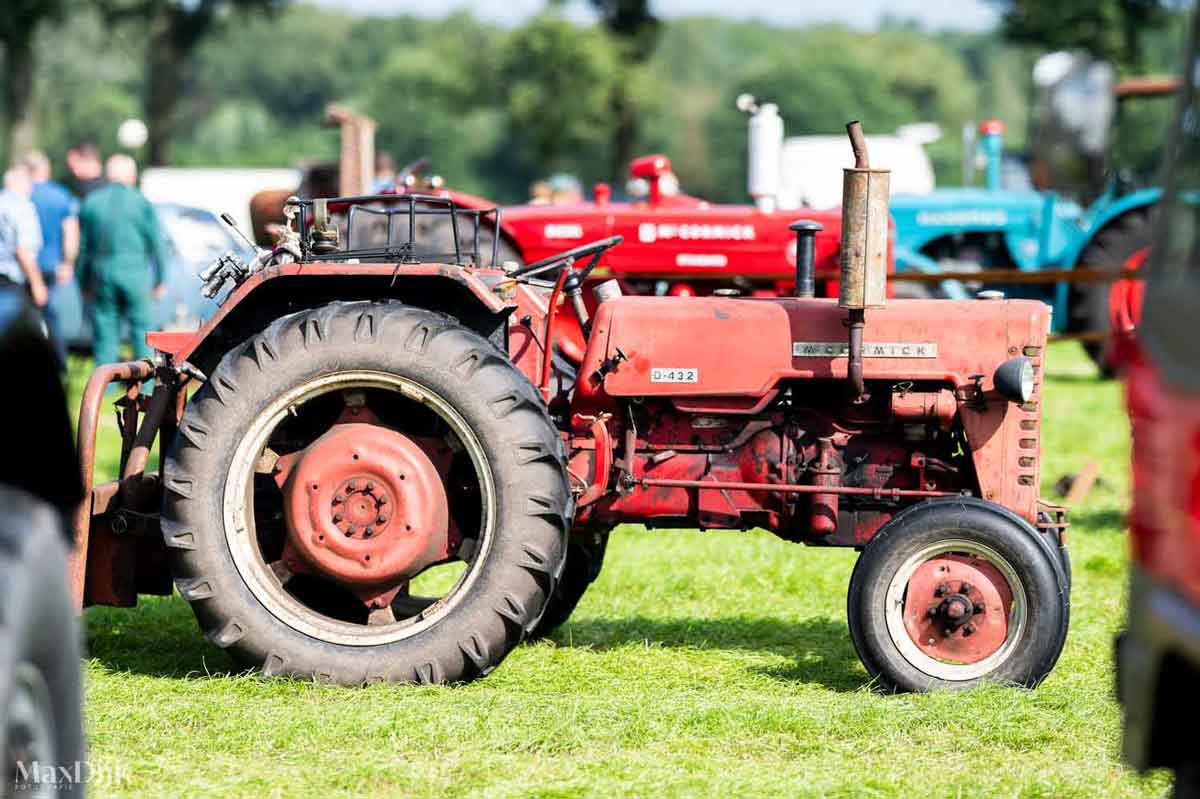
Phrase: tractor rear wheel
(367, 491)
(585, 556)
(955, 592)
(1122, 246)
(41, 720)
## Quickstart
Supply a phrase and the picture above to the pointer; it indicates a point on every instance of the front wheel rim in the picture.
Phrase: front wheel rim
(938, 643)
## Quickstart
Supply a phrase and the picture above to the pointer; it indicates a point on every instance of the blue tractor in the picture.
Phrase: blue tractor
(1036, 242)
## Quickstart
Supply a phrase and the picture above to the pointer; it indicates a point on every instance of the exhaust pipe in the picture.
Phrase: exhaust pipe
(806, 253)
(863, 274)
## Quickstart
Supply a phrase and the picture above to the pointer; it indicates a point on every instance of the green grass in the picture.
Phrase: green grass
(707, 664)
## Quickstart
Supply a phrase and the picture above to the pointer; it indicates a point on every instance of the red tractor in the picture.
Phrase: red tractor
(380, 466)
(674, 244)
(1158, 656)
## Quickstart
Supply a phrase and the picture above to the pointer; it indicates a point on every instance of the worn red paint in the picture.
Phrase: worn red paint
(364, 505)
(731, 437)
(957, 608)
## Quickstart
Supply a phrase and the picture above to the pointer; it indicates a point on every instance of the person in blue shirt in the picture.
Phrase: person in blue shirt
(20, 236)
(58, 213)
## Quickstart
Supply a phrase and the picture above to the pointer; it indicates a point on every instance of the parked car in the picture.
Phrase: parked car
(193, 238)
(1158, 657)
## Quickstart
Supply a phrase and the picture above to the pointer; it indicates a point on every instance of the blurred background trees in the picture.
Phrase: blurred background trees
(245, 82)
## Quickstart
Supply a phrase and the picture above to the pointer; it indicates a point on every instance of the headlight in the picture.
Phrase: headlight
(1014, 379)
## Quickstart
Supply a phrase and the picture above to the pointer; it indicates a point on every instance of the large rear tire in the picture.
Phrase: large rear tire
(41, 722)
(955, 592)
(434, 387)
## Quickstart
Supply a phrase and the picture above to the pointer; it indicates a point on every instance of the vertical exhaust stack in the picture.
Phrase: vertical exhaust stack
(764, 174)
(863, 276)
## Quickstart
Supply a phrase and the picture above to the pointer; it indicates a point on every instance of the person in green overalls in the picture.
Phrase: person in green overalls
(121, 260)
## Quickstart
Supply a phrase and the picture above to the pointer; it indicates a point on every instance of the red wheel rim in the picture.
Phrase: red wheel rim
(364, 505)
(957, 608)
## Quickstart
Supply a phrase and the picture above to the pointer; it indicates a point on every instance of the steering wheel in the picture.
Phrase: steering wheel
(596, 249)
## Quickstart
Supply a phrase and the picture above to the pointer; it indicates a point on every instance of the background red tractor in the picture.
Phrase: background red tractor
(674, 244)
(383, 473)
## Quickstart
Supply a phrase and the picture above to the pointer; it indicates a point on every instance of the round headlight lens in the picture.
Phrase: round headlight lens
(1014, 379)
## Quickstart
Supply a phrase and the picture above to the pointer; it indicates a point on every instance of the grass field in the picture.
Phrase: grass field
(707, 664)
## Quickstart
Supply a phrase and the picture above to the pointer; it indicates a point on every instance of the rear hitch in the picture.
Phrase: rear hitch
(115, 527)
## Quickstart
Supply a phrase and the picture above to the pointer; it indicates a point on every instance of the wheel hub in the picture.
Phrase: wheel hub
(364, 505)
(957, 607)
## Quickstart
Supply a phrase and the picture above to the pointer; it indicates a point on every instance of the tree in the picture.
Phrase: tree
(825, 76)
(19, 24)
(636, 31)
(174, 28)
(560, 79)
(1106, 29)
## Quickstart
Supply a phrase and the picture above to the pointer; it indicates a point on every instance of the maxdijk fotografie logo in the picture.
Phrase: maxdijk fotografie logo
(39, 778)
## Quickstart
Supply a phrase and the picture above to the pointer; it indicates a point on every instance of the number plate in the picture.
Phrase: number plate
(661, 374)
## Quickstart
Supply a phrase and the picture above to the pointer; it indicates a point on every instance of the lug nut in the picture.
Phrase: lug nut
(968, 629)
(368, 532)
(339, 499)
(382, 501)
(966, 587)
(351, 529)
(979, 607)
(337, 517)
(940, 590)
(381, 520)
(370, 486)
(352, 485)
(932, 612)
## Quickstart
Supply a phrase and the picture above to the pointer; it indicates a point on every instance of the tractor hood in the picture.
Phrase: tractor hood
(743, 347)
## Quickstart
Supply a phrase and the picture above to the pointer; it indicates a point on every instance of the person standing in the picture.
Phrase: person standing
(121, 260)
(58, 213)
(83, 161)
(20, 236)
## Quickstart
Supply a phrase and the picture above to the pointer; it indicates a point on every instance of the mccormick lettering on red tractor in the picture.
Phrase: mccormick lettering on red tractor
(384, 462)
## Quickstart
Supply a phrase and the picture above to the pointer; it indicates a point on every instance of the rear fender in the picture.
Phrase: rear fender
(1100, 218)
(274, 291)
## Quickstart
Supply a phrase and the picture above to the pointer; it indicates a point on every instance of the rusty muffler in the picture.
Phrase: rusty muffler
(863, 275)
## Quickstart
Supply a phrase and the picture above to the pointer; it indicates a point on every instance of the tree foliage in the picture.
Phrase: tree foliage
(19, 24)
(174, 28)
(495, 107)
(1111, 30)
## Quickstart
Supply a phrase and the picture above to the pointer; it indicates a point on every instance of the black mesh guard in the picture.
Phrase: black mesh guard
(400, 229)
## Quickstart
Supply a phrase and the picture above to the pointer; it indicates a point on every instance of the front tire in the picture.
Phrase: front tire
(955, 592)
(41, 720)
(483, 458)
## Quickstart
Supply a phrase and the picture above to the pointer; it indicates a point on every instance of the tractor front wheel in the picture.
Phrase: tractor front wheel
(955, 592)
(367, 491)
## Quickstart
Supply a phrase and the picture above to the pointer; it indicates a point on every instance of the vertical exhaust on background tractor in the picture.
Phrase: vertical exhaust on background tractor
(863, 277)
(764, 173)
